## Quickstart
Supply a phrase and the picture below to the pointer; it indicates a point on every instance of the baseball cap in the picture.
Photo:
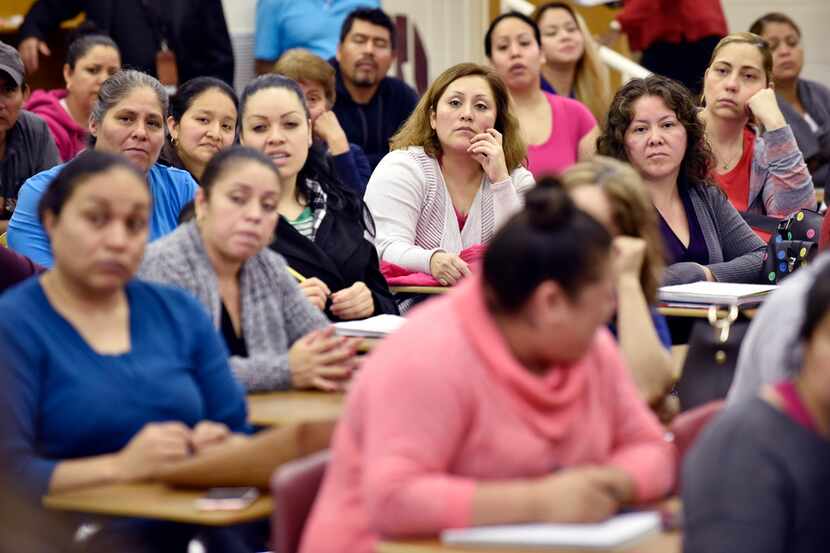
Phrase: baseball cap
(11, 63)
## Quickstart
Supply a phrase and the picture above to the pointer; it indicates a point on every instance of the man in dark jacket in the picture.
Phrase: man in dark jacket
(370, 106)
(26, 145)
(195, 30)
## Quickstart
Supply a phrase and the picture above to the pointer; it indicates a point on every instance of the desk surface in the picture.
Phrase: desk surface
(154, 501)
(667, 542)
(419, 289)
(698, 312)
(282, 408)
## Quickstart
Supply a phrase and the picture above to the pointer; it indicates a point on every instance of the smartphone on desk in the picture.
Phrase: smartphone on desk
(227, 499)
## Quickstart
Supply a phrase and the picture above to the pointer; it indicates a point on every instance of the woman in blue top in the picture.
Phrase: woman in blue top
(128, 119)
(112, 379)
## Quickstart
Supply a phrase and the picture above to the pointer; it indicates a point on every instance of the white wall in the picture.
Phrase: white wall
(813, 16)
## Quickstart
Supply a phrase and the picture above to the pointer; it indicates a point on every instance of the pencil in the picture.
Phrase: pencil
(295, 274)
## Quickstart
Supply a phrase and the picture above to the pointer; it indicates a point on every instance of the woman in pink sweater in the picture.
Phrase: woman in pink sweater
(90, 60)
(504, 401)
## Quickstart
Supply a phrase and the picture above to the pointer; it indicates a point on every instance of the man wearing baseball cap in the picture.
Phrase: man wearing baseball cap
(26, 145)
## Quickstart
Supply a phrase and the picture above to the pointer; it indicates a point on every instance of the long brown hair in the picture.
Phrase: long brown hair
(631, 210)
(417, 130)
(591, 86)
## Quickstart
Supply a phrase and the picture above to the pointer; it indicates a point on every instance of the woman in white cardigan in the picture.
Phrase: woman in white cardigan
(454, 175)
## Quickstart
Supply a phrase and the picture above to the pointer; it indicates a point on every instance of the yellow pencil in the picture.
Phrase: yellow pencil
(295, 274)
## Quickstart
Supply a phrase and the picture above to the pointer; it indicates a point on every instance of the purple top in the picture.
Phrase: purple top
(676, 252)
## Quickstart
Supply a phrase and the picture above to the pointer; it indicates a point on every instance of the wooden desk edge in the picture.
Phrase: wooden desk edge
(101, 501)
(418, 289)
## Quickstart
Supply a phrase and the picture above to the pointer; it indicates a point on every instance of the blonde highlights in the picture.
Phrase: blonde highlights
(631, 210)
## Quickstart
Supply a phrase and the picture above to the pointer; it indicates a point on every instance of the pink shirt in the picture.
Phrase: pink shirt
(572, 120)
(438, 407)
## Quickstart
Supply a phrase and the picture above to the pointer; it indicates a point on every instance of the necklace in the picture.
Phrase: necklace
(727, 163)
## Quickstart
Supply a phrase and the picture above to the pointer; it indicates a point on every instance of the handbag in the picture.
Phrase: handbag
(793, 242)
(712, 357)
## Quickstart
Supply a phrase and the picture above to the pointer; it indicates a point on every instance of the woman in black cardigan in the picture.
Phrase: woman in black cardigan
(322, 223)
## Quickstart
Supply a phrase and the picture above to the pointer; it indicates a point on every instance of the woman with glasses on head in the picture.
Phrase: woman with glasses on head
(757, 160)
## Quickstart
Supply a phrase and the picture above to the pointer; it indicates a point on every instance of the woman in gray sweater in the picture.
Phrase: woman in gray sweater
(653, 125)
(757, 479)
(275, 337)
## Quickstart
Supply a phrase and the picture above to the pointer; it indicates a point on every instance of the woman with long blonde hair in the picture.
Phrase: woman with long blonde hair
(613, 193)
(572, 65)
(453, 176)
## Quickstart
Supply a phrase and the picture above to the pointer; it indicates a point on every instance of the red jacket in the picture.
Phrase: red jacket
(647, 21)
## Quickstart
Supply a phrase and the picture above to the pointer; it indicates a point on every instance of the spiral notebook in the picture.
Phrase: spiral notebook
(618, 531)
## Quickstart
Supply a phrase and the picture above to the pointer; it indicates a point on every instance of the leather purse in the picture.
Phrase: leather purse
(712, 357)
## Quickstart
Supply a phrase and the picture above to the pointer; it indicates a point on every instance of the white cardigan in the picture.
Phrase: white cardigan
(414, 215)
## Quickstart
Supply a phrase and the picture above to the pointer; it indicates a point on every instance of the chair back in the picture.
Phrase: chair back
(687, 426)
(294, 487)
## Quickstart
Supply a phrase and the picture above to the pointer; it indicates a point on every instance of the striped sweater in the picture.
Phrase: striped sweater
(414, 215)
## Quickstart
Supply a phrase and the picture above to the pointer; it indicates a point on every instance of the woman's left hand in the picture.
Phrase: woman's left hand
(354, 302)
(764, 106)
(486, 148)
(207, 434)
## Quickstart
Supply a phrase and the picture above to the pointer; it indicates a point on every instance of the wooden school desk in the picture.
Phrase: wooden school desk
(291, 407)
(666, 542)
(154, 501)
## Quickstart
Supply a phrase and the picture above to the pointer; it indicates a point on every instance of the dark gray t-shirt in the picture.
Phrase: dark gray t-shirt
(30, 149)
(756, 481)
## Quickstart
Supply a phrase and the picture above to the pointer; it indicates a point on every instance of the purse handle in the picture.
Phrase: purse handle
(722, 324)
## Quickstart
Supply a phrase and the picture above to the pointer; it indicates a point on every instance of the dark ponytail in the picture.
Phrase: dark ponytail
(550, 239)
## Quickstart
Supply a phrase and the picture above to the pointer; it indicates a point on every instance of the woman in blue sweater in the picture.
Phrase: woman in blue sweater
(112, 379)
(128, 119)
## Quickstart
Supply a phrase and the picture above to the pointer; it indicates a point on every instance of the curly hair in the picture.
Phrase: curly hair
(417, 131)
(697, 160)
(631, 210)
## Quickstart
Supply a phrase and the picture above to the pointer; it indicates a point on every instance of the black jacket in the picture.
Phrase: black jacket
(194, 29)
(339, 256)
(371, 125)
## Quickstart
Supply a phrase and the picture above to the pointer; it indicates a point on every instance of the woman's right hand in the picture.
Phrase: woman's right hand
(577, 495)
(316, 291)
(322, 360)
(448, 268)
(155, 445)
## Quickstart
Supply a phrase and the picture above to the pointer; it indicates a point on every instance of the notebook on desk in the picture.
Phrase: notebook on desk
(618, 531)
(373, 327)
(725, 293)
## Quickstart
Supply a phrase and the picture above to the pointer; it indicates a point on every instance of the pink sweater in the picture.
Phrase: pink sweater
(441, 405)
(572, 120)
(70, 138)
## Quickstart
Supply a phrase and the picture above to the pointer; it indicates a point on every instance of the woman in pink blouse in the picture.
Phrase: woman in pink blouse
(504, 401)
(559, 131)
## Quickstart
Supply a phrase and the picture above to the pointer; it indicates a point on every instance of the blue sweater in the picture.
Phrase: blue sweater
(67, 401)
(170, 188)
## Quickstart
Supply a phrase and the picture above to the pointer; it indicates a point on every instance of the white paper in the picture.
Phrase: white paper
(373, 327)
(715, 292)
(614, 532)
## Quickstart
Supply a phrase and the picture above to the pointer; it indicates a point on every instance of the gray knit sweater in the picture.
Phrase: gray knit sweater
(275, 312)
(736, 254)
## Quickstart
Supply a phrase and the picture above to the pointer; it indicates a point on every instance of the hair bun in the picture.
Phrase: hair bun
(87, 28)
(548, 206)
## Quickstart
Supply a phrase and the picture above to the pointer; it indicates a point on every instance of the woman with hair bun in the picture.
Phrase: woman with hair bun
(515, 407)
